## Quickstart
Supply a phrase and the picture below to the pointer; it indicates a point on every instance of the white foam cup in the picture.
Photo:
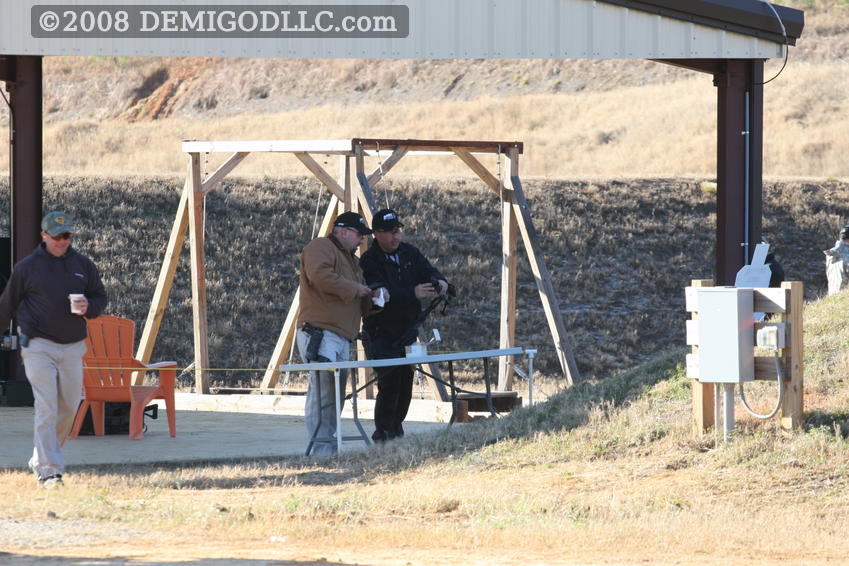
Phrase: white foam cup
(76, 302)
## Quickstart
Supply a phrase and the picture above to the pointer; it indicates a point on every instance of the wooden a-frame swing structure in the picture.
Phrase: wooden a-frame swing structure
(516, 219)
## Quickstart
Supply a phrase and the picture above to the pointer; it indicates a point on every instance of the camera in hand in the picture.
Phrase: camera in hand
(451, 292)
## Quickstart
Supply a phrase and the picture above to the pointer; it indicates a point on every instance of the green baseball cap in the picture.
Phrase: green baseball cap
(57, 222)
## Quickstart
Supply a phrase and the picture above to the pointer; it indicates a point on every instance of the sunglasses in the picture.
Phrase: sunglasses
(62, 236)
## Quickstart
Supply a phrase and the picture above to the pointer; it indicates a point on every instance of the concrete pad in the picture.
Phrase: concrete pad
(220, 434)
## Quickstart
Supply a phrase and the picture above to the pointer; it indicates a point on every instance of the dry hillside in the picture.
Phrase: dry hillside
(637, 118)
(620, 254)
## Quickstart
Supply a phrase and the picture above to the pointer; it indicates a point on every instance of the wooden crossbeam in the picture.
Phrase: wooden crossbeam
(212, 181)
(480, 170)
(322, 175)
(384, 168)
(372, 144)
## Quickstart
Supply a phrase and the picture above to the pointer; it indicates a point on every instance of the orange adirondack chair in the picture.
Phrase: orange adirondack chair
(108, 371)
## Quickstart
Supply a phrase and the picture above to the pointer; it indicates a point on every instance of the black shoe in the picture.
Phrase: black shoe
(399, 431)
(51, 482)
(379, 436)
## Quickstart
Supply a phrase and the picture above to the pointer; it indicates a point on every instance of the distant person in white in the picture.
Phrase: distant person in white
(837, 263)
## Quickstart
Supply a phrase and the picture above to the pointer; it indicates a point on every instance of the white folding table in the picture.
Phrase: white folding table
(336, 367)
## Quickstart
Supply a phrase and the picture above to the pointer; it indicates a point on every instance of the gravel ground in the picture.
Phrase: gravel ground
(55, 533)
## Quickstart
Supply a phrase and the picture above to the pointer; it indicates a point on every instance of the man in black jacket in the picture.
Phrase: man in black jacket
(52, 335)
(409, 277)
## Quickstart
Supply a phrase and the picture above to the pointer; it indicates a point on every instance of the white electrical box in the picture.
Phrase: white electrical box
(726, 335)
(771, 336)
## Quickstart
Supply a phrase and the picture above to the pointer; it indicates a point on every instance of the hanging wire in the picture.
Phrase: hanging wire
(380, 169)
(786, 43)
(315, 216)
(500, 183)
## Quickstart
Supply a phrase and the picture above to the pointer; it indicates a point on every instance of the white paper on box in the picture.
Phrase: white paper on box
(757, 274)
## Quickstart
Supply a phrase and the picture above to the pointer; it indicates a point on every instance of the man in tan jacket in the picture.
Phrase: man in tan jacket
(334, 298)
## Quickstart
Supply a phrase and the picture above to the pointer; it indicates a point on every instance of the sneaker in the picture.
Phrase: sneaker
(51, 482)
(32, 468)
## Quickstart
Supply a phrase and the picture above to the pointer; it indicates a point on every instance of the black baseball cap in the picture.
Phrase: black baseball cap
(385, 220)
(353, 220)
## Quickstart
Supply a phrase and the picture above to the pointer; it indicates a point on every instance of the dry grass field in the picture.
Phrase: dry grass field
(606, 472)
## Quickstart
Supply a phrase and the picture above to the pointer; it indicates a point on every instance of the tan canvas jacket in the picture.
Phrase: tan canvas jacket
(330, 278)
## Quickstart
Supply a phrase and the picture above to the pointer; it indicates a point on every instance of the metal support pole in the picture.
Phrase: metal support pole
(717, 408)
(739, 164)
(531, 354)
(728, 409)
(25, 99)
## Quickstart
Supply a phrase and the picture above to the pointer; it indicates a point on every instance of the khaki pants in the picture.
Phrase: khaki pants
(55, 372)
(334, 348)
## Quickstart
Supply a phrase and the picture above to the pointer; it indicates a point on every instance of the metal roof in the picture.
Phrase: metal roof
(747, 17)
(398, 29)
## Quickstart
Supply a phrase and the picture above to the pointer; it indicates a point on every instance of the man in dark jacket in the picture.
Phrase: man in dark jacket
(409, 277)
(52, 335)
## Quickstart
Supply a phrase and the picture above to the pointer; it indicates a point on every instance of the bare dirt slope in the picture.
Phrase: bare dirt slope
(156, 88)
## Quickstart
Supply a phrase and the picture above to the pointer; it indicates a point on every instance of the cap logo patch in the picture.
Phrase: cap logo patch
(59, 220)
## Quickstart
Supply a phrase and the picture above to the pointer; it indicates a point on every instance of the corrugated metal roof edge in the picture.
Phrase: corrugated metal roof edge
(749, 17)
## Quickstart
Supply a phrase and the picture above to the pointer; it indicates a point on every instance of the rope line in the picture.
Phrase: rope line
(248, 369)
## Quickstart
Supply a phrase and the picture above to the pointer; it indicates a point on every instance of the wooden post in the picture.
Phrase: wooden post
(509, 278)
(166, 278)
(792, 409)
(198, 268)
(702, 393)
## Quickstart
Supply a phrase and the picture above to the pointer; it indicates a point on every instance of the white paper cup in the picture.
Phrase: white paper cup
(76, 302)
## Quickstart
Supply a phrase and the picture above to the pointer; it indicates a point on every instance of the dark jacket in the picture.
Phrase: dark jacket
(400, 313)
(37, 294)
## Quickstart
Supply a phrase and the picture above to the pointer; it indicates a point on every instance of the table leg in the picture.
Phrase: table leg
(531, 354)
(488, 387)
(363, 434)
(314, 434)
(453, 393)
(338, 411)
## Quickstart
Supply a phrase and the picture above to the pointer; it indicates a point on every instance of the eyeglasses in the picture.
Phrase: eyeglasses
(357, 232)
(62, 236)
